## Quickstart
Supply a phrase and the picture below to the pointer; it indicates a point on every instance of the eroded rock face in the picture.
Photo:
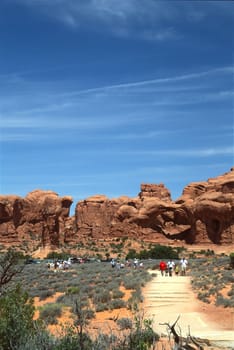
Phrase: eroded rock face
(39, 219)
(203, 214)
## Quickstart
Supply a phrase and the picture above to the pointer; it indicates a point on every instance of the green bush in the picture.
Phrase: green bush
(156, 252)
(45, 294)
(73, 290)
(231, 256)
(102, 296)
(117, 304)
(124, 323)
(131, 254)
(101, 307)
(50, 312)
(72, 340)
(221, 301)
(116, 294)
(57, 256)
(16, 318)
(143, 335)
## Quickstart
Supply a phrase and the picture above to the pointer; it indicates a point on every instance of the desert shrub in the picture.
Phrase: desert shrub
(105, 342)
(72, 340)
(131, 254)
(231, 256)
(101, 307)
(203, 296)
(142, 336)
(16, 321)
(130, 284)
(86, 313)
(231, 291)
(11, 266)
(114, 284)
(209, 252)
(40, 340)
(57, 256)
(155, 252)
(50, 312)
(117, 304)
(73, 290)
(124, 323)
(45, 294)
(221, 301)
(138, 335)
(87, 290)
(136, 298)
(65, 300)
(102, 296)
(75, 282)
(116, 294)
(143, 277)
(228, 277)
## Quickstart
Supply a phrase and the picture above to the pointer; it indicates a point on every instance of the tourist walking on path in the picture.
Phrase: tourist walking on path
(162, 267)
(183, 264)
(177, 269)
(170, 266)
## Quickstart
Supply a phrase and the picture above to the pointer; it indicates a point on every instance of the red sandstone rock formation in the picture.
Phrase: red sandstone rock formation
(39, 219)
(203, 214)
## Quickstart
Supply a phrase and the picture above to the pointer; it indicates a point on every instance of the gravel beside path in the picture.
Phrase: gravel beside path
(165, 298)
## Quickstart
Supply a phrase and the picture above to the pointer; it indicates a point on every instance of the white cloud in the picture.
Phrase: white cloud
(145, 19)
(130, 17)
(62, 123)
(203, 152)
(171, 79)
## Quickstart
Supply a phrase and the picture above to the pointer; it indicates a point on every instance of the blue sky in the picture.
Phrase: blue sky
(99, 96)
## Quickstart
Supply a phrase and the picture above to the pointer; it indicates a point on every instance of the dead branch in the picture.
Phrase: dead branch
(177, 338)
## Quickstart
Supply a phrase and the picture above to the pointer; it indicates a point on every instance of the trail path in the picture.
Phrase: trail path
(168, 297)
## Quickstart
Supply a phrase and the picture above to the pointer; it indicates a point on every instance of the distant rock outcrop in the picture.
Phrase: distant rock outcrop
(38, 219)
(203, 214)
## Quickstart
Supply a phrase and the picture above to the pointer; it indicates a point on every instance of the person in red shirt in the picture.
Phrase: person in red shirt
(162, 267)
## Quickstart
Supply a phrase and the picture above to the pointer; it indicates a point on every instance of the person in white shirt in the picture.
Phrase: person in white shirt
(183, 264)
(170, 266)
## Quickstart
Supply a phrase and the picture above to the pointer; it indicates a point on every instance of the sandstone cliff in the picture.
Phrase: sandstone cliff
(38, 219)
(203, 214)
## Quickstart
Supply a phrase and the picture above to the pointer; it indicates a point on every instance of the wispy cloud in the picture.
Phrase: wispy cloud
(124, 17)
(203, 152)
(129, 104)
(165, 80)
(61, 123)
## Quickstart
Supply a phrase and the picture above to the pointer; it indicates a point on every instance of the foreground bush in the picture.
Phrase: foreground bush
(16, 318)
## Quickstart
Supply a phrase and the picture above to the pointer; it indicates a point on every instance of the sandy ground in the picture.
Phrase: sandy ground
(168, 297)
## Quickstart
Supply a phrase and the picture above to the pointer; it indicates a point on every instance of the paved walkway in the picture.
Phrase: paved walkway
(168, 297)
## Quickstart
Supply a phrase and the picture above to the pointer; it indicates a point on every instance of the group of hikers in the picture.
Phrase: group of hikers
(120, 265)
(59, 265)
(167, 269)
